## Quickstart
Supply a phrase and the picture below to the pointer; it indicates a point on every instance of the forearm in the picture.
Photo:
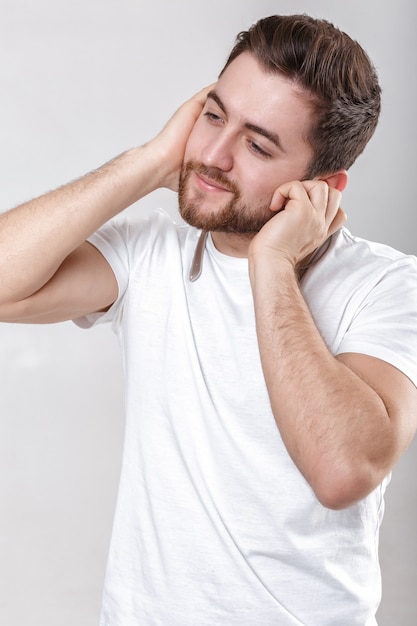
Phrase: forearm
(336, 428)
(37, 236)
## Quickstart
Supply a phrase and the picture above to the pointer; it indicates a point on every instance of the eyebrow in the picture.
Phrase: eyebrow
(272, 137)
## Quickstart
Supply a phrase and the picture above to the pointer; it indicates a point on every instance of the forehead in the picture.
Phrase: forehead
(263, 98)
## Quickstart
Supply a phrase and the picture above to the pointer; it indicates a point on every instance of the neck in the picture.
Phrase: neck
(232, 244)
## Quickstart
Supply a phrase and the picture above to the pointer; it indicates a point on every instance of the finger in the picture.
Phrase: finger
(319, 195)
(314, 186)
(333, 205)
(326, 200)
(201, 96)
(337, 222)
(191, 109)
(293, 190)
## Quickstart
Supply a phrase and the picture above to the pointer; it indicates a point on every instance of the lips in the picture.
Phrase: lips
(208, 184)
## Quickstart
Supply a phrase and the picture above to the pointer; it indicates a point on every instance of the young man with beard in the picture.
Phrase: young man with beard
(270, 355)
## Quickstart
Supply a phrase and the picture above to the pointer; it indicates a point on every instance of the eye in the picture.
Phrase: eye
(256, 148)
(213, 117)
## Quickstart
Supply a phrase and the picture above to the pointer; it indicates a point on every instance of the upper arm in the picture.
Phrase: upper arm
(83, 284)
(397, 392)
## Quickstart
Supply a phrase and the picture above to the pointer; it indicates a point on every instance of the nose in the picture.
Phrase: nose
(218, 152)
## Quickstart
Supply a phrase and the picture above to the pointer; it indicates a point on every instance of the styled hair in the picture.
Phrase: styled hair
(335, 73)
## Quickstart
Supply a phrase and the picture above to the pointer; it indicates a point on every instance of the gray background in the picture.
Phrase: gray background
(81, 81)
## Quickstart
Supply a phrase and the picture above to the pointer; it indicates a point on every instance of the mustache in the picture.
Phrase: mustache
(212, 173)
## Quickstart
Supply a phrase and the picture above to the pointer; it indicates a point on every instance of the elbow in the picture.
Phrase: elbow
(342, 487)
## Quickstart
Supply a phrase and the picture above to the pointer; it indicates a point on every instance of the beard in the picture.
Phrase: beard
(234, 216)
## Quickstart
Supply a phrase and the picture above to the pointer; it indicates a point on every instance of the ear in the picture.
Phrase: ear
(338, 180)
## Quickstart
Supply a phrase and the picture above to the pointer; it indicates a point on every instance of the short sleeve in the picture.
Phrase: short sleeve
(385, 325)
(111, 240)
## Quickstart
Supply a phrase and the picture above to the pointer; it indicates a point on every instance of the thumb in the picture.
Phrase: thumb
(278, 201)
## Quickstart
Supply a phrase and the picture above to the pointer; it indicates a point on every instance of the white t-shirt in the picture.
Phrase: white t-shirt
(214, 524)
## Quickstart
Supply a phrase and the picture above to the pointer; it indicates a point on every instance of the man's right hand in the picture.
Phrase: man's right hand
(171, 141)
(47, 270)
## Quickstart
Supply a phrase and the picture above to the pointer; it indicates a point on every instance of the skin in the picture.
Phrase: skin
(349, 421)
(252, 133)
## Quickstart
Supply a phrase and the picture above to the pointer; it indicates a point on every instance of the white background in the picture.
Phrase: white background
(80, 82)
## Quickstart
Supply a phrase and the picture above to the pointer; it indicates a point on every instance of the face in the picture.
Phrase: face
(249, 139)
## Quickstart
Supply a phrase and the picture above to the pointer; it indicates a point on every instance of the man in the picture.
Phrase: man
(270, 356)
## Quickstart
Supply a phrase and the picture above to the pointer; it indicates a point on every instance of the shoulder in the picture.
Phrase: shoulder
(358, 248)
(363, 296)
(354, 263)
(136, 233)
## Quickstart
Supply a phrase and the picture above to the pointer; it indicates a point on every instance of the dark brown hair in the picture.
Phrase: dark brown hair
(334, 71)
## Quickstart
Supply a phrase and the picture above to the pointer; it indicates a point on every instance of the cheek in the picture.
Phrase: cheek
(258, 187)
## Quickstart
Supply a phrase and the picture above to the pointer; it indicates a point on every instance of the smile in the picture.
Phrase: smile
(208, 184)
